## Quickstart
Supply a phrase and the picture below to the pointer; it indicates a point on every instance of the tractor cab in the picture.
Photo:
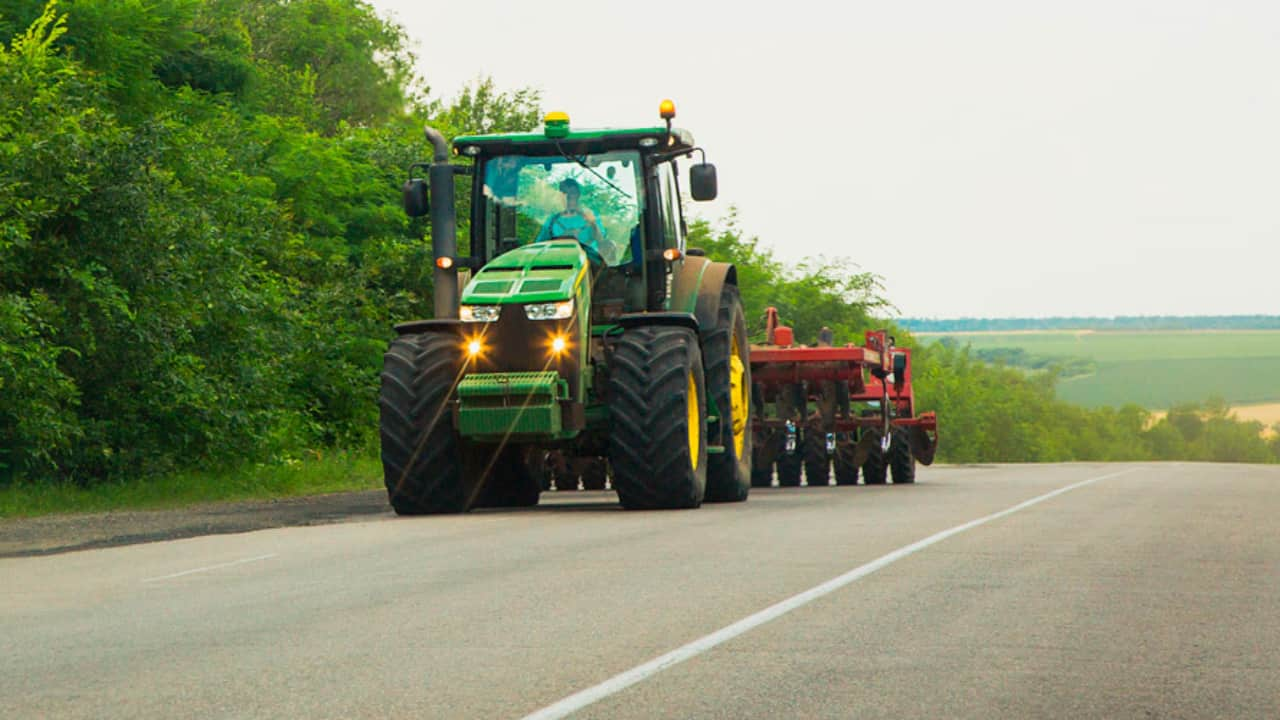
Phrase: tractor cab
(616, 192)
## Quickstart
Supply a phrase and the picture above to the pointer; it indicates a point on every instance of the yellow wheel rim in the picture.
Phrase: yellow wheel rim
(695, 421)
(740, 403)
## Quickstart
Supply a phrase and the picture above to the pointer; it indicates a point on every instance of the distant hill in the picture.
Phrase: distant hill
(1122, 322)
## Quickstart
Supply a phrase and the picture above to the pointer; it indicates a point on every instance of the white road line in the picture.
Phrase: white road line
(621, 681)
(207, 568)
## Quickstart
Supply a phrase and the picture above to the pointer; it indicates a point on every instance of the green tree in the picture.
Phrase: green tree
(817, 292)
(192, 274)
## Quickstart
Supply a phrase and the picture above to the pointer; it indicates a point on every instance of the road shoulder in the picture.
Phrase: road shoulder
(53, 534)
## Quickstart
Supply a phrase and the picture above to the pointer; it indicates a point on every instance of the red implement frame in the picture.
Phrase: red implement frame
(874, 372)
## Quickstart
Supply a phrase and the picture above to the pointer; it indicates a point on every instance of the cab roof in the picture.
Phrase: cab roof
(584, 139)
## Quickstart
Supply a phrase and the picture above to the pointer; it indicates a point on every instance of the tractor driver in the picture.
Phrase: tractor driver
(574, 221)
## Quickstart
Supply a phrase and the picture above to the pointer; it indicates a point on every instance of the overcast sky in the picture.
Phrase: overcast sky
(989, 158)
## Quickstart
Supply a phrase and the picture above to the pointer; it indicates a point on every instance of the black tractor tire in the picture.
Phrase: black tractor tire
(514, 478)
(874, 469)
(902, 465)
(817, 465)
(649, 446)
(789, 466)
(423, 459)
(845, 470)
(729, 472)
(595, 473)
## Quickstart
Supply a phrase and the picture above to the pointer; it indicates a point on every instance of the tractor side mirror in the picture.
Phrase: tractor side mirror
(702, 181)
(415, 198)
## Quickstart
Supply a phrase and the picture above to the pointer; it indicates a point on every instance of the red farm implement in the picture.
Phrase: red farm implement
(852, 407)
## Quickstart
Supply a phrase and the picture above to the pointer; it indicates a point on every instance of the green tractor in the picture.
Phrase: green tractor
(578, 331)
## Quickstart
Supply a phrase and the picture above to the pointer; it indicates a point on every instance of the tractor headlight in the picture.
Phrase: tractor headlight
(479, 313)
(550, 311)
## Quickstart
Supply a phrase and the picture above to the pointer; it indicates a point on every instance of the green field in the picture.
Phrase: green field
(1155, 369)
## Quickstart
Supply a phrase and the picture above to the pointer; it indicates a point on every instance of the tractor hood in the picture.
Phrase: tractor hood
(541, 272)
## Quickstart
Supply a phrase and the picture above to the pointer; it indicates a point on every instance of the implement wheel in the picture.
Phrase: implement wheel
(763, 444)
(594, 473)
(817, 466)
(566, 480)
(658, 412)
(423, 459)
(762, 452)
(846, 470)
(789, 465)
(729, 385)
(875, 469)
(902, 465)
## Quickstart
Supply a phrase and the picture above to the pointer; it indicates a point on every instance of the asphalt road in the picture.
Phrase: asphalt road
(1140, 591)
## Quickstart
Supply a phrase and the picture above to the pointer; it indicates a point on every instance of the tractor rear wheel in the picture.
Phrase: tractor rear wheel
(658, 412)
(901, 463)
(817, 466)
(727, 353)
(846, 470)
(423, 459)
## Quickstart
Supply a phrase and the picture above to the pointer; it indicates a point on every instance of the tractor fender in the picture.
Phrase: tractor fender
(414, 327)
(697, 286)
(677, 319)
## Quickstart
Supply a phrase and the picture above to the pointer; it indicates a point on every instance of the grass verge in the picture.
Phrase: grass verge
(322, 472)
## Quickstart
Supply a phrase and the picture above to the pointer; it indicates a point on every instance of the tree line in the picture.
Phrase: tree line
(202, 252)
(201, 246)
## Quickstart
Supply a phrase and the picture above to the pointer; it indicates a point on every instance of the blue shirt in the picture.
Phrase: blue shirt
(575, 226)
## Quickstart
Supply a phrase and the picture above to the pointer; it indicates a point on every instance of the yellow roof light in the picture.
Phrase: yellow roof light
(667, 110)
(556, 124)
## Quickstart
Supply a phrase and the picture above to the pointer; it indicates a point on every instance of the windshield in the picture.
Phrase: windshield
(593, 199)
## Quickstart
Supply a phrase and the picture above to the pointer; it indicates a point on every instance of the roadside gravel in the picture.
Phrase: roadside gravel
(67, 533)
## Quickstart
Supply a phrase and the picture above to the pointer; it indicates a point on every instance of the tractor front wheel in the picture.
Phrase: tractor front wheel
(658, 413)
(423, 459)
